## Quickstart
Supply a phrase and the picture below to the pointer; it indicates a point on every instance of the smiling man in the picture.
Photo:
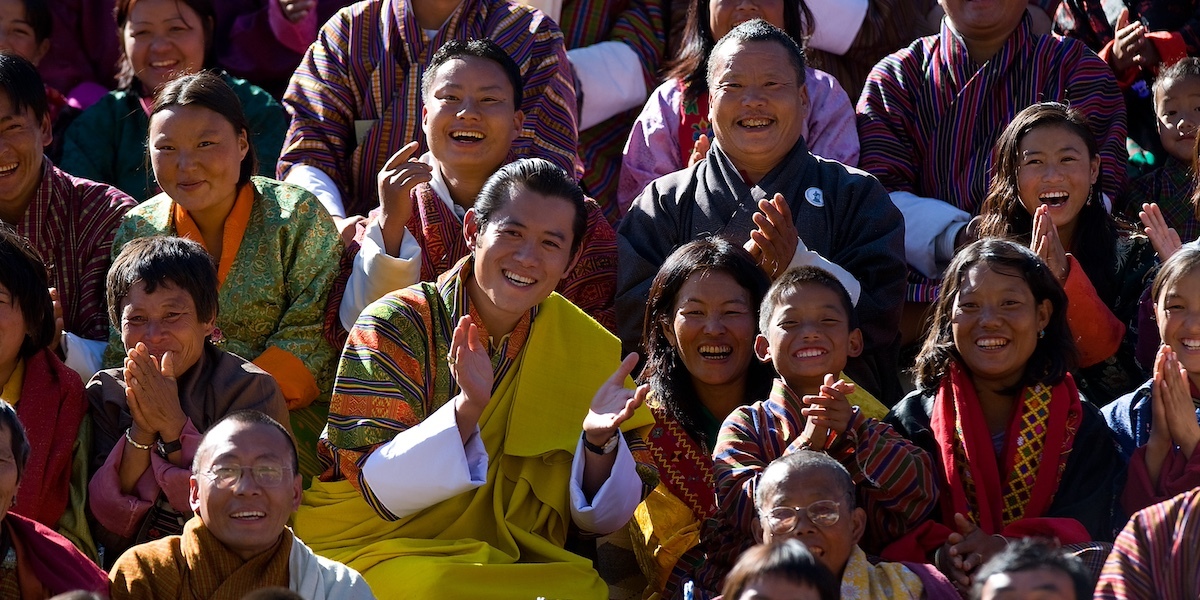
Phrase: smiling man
(244, 487)
(759, 185)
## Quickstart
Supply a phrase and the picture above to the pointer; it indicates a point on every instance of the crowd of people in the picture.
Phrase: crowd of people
(418, 298)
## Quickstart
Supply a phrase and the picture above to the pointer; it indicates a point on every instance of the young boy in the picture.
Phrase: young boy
(1176, 102)
(808, 332)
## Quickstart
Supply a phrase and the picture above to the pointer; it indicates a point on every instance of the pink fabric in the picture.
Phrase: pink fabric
(653, 147)
(294, 36)
(122, 514)
(1179, 474)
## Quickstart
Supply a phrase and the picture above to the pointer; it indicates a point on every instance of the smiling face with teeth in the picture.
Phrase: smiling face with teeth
(469, 118)
(22, 140)
(161, 39)
(809, 337)
(1056, 168)
(711, 328)
(758, 104)
(248, 518)
(1177, 311)
(995, 326)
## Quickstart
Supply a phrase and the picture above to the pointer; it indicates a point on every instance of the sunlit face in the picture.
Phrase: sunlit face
(22, 140)
(778, 587)
(995, 325)
(1177, 310)
(1178, 110)
(809, 337)
(163, 39)
(13, 330)
(1031, 584)
(1055, 169)
(197, 158)
(165, 321)
(248, 517)
(757, 104)
(831, 545)
(16, 33)
(469, 119)
(984, 19)
(711, 328)
(724, 15)
(8, 472)
(522, 252)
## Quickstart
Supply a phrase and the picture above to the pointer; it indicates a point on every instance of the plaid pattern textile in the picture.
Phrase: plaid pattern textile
(1171, 186)
(71, 222)
(365, 70)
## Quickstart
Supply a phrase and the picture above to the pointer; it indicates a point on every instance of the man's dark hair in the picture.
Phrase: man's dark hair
(158, 260)
(1032, 554)
(248, 417)
(481, 48)
(40, 19)
(535, 175)
(22, 84)
(794, 278)
(1186, 67)
(758, 30)
(788, 559)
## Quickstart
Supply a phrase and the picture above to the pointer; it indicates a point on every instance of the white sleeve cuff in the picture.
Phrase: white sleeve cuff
(613, 505)
(612, 79)
(925, 219)
(376, 274)
(84, 356)
(809, 258)
(836, 23)
(426, 464)
(321, 185)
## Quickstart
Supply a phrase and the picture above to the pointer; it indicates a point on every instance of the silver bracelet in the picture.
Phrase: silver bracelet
(133, 443)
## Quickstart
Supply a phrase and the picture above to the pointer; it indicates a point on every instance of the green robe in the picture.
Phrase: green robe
(275, 293)
(107, 142)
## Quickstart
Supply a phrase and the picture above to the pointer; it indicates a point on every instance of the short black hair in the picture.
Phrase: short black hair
(1188, 66)
(22, 84)
(758, 30)
(1032, 554)
(797, 461)
(789, 559)
(794, 278)
(20, 441)
(536, 175)
(481, 48)
(158, 260)
(23, 273)
(39, 17)
(248, 417)
(208, 90)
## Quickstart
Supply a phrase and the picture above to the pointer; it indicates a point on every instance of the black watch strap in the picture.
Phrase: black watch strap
(607, 448)
(165, 449)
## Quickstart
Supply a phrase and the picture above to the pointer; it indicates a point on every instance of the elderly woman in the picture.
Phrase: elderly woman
(1045, 193)
(274, 246)
(150, 414)
(673, 130)
(160, 40)
(1021, 453)
(47, 395)
(35, 562)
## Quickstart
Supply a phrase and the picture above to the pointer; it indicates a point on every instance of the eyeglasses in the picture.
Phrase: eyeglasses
(785, 519)
(267, 476)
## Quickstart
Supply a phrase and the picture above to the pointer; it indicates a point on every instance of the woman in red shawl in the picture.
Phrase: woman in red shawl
(1019, 452)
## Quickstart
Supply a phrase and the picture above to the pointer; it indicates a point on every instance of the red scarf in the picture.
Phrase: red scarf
(693, 121)
(970, 474)
(56, 564)
(51, 407)
(439, 231)
(684, 467)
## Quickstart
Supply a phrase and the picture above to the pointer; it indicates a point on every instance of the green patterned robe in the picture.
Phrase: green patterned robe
(275, 293)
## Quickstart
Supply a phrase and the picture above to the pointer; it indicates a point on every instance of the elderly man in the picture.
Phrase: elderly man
(244, 487)
(356, 98)
(757, 107)
(931, 112)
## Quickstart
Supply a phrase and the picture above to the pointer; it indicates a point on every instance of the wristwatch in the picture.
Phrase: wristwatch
(164, 449)
(607, 448)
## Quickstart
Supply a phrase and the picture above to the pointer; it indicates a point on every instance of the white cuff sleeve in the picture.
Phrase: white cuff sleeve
(613, 505)
(84, 356)
(426, 464)
(612, 78)
(836, 23)
(925, 221)
(321, 185)
(809, 258)
(376, 274)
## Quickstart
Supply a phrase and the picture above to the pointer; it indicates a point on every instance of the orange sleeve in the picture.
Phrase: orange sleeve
(295, 381)
(1098, 333)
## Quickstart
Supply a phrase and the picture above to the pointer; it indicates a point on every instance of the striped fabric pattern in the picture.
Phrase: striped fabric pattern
(1171, 187)
(71, 222)
(366, 67)
(929, 117)
(895, 479)
(1156, 555)
(640, 25)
